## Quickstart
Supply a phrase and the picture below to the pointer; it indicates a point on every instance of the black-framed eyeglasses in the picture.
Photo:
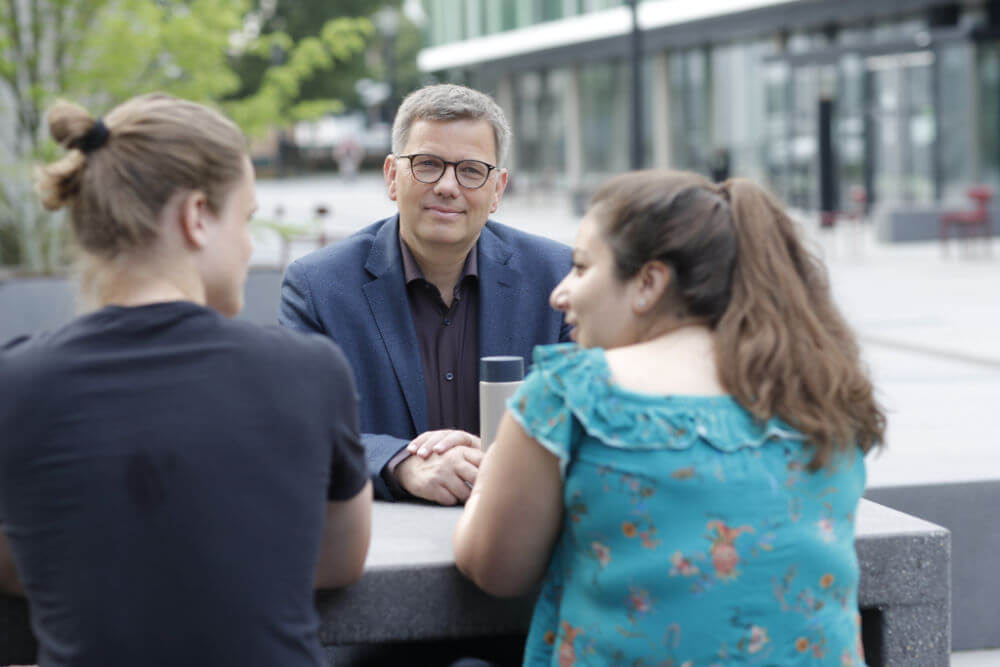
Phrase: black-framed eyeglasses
(470, 174)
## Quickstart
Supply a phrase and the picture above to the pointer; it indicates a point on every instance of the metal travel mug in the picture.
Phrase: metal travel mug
(499, 378)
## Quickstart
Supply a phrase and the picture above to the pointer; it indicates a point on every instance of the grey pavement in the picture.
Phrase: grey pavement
(929, 324)
(975, 659)
(929, 327)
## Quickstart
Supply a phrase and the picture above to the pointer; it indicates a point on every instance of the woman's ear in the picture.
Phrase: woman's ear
(651, 285)
(192, 212)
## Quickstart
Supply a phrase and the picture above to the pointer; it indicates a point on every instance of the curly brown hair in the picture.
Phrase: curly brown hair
(782, 348)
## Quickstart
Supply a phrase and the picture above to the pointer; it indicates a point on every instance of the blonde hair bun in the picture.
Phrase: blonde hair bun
(59, 183)
(69, 123)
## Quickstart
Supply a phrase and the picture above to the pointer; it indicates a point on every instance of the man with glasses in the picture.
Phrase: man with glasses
(416, 299)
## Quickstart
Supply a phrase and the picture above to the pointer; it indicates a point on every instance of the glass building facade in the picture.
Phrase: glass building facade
(458, 20)
(915, 99)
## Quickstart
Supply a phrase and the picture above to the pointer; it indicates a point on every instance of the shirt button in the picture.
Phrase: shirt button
(449, 376)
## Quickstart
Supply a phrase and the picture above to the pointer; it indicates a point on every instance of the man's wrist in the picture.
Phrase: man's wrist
(389, 474)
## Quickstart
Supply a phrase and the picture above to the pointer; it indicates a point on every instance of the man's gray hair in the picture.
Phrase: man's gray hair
(446, 101)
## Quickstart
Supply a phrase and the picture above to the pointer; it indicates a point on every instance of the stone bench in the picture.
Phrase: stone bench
(902, 223)
(411, 590)
(969, 511)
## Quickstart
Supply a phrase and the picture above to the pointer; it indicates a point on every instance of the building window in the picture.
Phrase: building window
(539, 125)
(957, 113)
(903, 126)
(605, 118)
(551, 10)
(689, 109)
(988, 103)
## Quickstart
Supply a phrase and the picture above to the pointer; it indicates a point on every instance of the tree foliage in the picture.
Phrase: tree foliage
(101, 52)
(298, 20)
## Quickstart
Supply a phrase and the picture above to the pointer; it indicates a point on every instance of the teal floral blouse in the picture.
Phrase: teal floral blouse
(692, 535)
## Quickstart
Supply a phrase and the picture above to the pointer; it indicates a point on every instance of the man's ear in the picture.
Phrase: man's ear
(389, 172)
(193, 209)
(500, 188)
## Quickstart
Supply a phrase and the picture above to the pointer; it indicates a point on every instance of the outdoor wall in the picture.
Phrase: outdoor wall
(263, 293)
(969, 511)
(33, 305)
(904, 224)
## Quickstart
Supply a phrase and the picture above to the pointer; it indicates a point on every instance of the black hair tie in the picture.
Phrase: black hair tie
(95, 137)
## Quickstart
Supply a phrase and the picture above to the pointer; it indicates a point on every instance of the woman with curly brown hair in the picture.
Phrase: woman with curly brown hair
(684, 480)
(173, 483)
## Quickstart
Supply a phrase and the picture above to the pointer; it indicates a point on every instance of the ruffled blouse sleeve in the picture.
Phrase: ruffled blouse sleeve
(570, 393)
(541, 404)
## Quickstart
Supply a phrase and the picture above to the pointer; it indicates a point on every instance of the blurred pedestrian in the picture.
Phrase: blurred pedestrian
(683, 482)
(718, 165)
(173, 483)
(349, 154)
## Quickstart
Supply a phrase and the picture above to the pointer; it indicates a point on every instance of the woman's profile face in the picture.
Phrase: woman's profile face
(226, 257)
(596, 303)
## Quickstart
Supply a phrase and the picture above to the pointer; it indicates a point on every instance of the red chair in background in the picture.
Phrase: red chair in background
(857, 213)
(970, 221)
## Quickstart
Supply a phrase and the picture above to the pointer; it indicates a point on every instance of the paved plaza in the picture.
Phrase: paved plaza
(929, 324)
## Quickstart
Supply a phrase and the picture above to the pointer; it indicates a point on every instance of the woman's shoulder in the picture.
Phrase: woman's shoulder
(619, 417)
(567, 371)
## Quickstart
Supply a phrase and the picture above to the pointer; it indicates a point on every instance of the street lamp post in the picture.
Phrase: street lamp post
(636, 62)
(387, 23)
(282, 155)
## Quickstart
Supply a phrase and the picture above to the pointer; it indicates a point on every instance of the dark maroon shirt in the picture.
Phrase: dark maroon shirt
(448, 338)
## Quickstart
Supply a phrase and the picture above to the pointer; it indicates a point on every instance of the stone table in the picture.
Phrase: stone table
(411, 590)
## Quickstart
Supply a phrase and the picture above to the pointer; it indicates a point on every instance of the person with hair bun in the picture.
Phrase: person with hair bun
(684, 480)
(173, 483)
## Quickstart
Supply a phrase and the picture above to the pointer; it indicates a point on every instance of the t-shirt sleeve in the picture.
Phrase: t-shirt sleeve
(348, 469)
(544, 415)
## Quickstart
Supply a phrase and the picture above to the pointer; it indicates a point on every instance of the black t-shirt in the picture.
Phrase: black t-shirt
(163, 478)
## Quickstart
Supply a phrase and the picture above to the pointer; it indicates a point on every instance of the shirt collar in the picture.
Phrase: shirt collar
(411, 270)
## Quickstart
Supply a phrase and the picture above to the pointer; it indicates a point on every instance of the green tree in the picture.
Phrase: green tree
(101, 52)
(299, 20)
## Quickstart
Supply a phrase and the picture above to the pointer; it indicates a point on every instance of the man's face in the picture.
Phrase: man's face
(444, 215)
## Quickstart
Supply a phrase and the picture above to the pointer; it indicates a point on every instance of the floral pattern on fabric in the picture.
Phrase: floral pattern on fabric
(693, 535)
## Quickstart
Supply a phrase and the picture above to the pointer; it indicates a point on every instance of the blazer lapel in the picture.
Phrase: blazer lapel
(386, 296)
(499, 289)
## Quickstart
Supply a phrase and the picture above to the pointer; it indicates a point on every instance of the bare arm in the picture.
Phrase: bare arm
(9, 581)
(346, 535)
(505, 537)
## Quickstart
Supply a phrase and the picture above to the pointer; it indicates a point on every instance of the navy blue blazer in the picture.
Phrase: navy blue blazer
(355, 293)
